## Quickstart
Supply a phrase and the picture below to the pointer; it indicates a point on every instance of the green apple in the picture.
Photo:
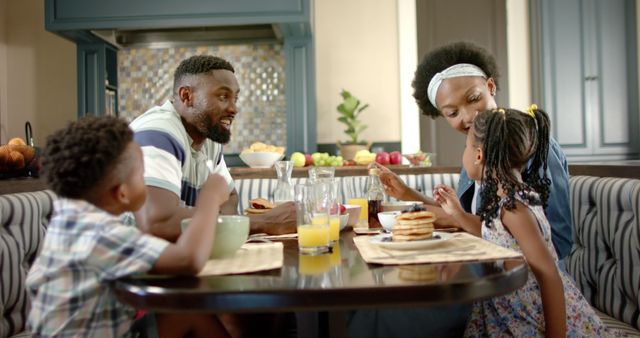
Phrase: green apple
(298, 159)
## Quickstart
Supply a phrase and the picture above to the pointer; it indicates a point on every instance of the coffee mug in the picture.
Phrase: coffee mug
(232, 232)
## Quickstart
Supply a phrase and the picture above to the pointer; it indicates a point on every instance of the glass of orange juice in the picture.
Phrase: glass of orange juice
(363, 219)
(312, 209)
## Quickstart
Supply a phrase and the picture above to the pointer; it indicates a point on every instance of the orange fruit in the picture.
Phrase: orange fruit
(16, 141)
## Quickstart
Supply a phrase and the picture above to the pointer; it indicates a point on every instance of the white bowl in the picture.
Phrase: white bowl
(399, 205)
(388, 219)
(343, 221)
(260, 159)
(353, 211)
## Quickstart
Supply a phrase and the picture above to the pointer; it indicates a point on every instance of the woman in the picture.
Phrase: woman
(457, 81)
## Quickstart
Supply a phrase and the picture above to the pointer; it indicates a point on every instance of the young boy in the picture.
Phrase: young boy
(96, 169)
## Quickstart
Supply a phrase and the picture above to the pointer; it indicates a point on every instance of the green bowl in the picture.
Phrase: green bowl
(232, 232)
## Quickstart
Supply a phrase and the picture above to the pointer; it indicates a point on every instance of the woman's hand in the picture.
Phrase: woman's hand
(393, 185)
(448, 200)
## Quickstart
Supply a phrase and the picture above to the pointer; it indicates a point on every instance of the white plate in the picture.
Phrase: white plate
(385, 241)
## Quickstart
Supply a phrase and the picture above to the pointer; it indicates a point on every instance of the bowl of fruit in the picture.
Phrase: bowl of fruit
(419, 159)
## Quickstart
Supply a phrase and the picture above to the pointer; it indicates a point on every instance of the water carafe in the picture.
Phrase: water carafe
(284, 189)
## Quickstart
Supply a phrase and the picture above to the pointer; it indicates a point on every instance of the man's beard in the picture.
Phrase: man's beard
(214, 132)
(218, 133)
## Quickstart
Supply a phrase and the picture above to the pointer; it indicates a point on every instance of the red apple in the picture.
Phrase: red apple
(343, 209)
(308, 161)
(382, 158)
(395, 157)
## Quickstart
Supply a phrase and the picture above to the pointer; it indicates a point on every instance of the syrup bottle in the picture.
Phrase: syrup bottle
(375, 195)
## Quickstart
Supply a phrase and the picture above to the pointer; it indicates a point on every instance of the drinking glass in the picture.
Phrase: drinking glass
(312, 210)
(357, 196)
(334, 210)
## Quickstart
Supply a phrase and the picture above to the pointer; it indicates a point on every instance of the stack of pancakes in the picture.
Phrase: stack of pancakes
(259, 206)
(413, 226)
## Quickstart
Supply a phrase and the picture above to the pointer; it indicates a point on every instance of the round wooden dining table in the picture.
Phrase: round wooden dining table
(335, 282)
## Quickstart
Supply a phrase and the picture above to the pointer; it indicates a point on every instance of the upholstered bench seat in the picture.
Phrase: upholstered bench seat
(23, 222)
(605, 257)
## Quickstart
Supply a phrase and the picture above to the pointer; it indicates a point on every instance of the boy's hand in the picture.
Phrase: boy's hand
(448, 200)
(216, 188)
(393, 185)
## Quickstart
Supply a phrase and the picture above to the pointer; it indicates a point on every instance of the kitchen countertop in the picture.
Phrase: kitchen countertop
(628, 169)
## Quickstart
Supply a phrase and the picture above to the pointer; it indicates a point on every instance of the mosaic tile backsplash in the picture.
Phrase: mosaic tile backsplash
(145, 79)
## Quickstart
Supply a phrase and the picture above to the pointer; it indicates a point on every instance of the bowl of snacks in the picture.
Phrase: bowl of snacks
(261, 155)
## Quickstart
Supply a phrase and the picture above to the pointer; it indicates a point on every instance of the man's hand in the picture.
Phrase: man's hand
(278, 221)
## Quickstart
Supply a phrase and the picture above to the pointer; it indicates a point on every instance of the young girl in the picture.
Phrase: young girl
(499, 145)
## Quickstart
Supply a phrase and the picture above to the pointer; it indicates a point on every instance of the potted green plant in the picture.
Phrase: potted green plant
(349, 111)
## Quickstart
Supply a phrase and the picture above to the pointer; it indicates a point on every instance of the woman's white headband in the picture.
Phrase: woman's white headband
(457, 70)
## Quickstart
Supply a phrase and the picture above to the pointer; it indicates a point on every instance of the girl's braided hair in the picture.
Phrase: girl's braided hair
(511, 139)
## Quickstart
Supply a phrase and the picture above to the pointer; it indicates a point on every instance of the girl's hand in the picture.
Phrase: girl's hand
(448, 200)
(393, 185)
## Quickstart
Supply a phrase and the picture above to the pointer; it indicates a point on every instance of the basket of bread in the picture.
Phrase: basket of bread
(19, 159)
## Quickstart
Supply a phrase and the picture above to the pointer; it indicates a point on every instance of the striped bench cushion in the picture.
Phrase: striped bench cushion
(23, 221)
(621, 329)
(605, 257)
(350, 186)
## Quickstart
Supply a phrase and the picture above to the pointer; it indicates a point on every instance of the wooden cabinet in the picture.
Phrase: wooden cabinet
(585, 75)
(97, 79)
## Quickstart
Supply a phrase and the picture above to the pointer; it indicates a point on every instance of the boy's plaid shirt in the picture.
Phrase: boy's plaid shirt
(85, 249)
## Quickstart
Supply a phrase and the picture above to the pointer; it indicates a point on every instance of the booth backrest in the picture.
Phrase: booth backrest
(350, 186)
(23, 223)
(605, 258)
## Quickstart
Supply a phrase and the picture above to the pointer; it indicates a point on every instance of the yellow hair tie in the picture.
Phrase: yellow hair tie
(498, 110)
(531, 110)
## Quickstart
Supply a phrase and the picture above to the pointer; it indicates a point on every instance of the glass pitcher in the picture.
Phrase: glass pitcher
(284, 189)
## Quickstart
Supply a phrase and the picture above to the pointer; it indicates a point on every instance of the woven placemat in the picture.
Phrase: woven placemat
(459, 248)
(251, 257)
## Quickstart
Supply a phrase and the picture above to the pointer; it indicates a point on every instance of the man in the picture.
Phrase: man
(182, 144)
